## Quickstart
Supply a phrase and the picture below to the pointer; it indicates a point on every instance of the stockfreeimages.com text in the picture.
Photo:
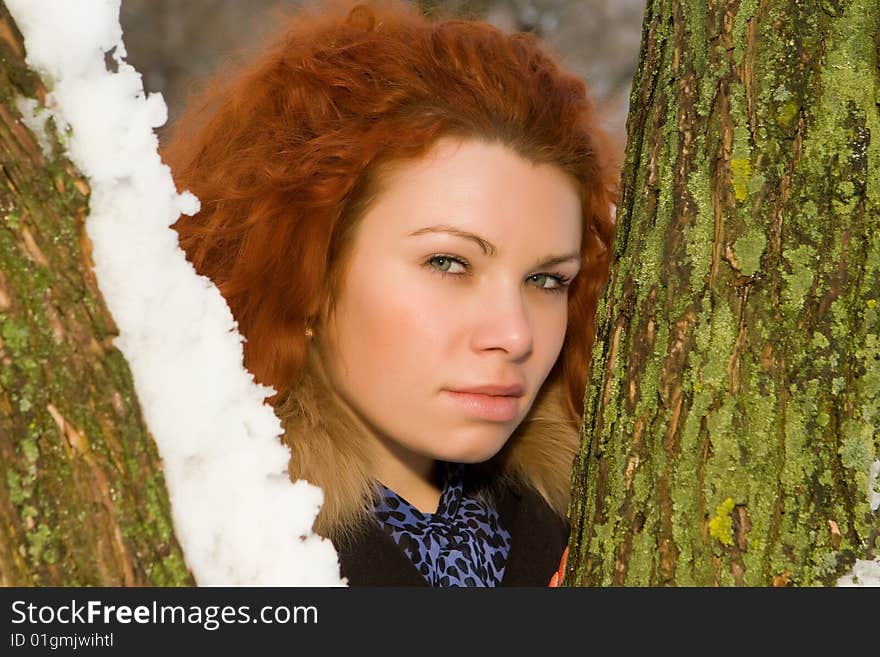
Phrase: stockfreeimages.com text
(210, 617)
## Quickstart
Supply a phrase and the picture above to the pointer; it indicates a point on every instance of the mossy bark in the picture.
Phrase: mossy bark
(733, 411)
(82, 495)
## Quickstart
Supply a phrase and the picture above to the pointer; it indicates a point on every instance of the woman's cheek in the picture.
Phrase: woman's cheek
(407, 319)
(429, 304)
(549, 328)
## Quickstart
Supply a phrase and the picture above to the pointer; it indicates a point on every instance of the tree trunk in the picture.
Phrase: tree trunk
(82, 495)
(732, 415)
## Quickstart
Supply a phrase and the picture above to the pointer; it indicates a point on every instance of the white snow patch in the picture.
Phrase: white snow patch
(864, 573)
(34, 116)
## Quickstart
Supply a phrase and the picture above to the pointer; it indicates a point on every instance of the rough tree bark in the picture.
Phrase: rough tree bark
(732, 415)
(82, 494)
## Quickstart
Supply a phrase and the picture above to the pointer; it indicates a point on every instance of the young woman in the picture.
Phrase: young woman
(411, 222)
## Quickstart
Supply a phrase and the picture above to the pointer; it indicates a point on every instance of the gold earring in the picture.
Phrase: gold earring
(309, 333)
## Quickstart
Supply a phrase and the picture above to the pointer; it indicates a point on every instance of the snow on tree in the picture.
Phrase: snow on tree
(83, 490)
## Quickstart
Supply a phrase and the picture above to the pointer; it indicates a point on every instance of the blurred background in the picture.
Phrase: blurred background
(176, 43)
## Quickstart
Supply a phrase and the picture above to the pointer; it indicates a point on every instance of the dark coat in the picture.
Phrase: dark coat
(538, 538)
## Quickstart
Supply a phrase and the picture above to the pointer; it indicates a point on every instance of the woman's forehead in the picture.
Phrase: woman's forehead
(477, 187)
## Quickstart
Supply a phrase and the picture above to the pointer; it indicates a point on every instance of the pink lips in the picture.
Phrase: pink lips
(493, 403)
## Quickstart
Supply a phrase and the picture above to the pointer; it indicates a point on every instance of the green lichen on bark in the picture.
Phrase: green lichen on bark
(732, 417)
(82, 492)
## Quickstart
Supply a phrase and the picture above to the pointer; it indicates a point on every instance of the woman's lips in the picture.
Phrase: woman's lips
(495, 408)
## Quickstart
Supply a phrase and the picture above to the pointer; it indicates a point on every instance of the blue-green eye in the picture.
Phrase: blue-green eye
(544, 278)
(558, 282)
(443, 263)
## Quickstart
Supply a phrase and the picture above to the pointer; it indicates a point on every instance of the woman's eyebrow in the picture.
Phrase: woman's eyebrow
(552, 261)
(488, 248)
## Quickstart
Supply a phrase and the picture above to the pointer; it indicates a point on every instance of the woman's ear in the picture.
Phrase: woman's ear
(322, 322)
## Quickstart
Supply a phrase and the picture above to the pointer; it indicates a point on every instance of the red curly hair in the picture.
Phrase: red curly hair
(287, 155)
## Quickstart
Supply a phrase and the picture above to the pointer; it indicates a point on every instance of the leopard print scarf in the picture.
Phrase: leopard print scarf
(462, 544)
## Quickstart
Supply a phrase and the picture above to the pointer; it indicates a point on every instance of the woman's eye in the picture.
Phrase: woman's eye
(559, 283)
(445, 264)
(543, 279)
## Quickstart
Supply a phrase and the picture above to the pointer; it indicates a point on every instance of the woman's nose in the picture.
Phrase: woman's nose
(503, 323)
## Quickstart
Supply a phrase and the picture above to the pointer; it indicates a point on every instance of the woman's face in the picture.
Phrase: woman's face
(456, 281)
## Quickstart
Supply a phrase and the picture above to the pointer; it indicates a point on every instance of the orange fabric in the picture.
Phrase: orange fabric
(556, 580)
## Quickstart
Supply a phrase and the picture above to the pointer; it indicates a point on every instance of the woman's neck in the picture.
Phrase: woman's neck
(412, 476)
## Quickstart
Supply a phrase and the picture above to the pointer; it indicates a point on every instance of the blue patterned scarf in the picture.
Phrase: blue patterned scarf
(462, 544)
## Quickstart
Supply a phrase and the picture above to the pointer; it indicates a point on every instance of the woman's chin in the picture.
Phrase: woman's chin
(472, 452)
